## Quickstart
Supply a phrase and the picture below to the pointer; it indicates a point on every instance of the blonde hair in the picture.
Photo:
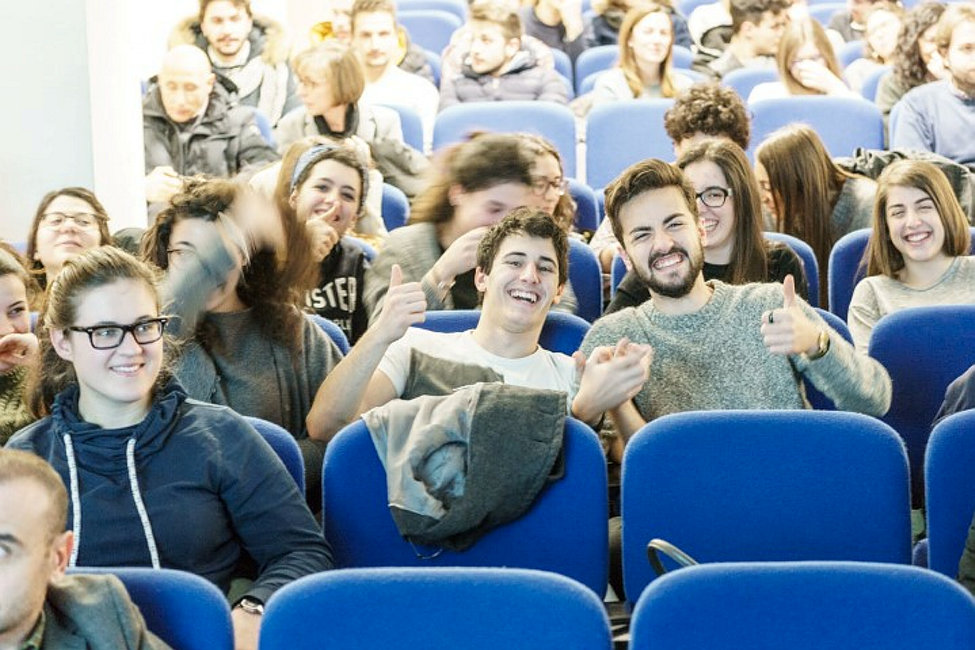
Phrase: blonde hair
(797, 34)
(338, 65)
(628, 64)
(881, 255)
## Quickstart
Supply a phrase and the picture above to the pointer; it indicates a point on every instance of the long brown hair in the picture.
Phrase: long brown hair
(483, 162)
(84, 194)
(90, 270)
(806, 184)
(268, 285)
(628, 64)
(797, 34)
(749, 257)
(881, 255)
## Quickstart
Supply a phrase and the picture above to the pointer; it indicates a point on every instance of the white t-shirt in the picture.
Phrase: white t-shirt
(541, 369)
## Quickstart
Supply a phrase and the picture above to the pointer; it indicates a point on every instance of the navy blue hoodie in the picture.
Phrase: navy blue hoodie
(191, 487)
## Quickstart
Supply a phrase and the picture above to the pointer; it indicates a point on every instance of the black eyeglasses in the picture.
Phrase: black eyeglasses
(541, 185)
(713, 197)
(106, 337)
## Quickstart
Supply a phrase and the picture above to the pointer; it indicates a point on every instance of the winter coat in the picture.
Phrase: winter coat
(222, 142)
(265, 81)
(521, 79)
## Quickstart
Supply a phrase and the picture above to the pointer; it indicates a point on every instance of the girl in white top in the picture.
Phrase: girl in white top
(646, 59)
(918, 251)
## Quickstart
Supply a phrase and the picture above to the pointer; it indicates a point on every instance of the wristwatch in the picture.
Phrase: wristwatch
(822, 346)
(251, 606)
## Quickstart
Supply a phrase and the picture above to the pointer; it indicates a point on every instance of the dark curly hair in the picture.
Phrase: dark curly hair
(267, 283)
(909, 68)
(709, 108)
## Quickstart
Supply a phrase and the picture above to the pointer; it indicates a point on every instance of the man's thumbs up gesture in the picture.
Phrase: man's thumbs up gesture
(788, 330)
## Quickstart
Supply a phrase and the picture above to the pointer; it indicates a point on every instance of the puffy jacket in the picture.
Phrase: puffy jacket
(221, 143)
(265, 81)
(522, 79)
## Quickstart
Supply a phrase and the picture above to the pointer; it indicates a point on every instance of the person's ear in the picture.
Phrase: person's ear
(293, 199)
(211, 79)
(61, 344)
(511, 48)
(557, 298)
(480, 279)
(455, 194)
(61, 553)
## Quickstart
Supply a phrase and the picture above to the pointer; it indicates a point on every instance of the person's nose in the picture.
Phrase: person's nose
(529, 273)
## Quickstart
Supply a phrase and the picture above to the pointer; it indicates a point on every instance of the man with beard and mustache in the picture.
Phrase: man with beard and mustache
(713, 345)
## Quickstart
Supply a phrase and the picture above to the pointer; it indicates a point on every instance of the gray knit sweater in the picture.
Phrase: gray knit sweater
(715, 358)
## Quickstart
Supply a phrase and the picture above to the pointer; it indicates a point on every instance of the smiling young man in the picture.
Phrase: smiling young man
(497, 67)
(714, 345)
(521, 272)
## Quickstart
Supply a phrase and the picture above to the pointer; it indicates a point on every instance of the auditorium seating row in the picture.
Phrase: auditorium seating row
(819, 500)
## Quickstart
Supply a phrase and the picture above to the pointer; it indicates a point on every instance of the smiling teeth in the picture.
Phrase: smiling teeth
(916, 237)
(667, 261)
(524, 295)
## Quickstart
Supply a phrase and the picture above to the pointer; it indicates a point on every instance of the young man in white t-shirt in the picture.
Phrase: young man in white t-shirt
(522, 266)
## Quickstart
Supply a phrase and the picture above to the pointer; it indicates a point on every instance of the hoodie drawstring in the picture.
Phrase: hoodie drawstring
(75, 501)
(139, 505)
(136, 496)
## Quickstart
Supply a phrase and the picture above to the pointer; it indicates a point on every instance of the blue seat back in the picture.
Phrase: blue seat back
(621, 133)
(681, 57)
(595, 59)
(850, 52)
(362, 533)
(949, 497)
(586, 278)
(184, 610)
(456, 7)
(563, 65)
(434, 609)
(431, 29)
(433, 58)
(862, 124)
(923, 349)
(804, 606)
(809, 263)
(587, 212)
(562, 332)
(395, 207)
(822, 12)
(728, 486)
(743, 80)
(872, 82)
(412, 125)
(554, 122)
(333, 331)
(284, 445)
(846, 268)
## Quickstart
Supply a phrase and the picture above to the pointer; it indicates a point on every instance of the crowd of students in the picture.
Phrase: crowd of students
(149, 347)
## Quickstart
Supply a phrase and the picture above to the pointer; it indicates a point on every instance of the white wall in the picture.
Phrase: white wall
(72, 113)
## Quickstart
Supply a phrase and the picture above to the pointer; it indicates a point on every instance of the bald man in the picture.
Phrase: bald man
(192, 124)
(40, 607)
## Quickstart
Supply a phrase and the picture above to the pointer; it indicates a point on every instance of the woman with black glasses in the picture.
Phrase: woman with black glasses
(730, 216)
(154, 478)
